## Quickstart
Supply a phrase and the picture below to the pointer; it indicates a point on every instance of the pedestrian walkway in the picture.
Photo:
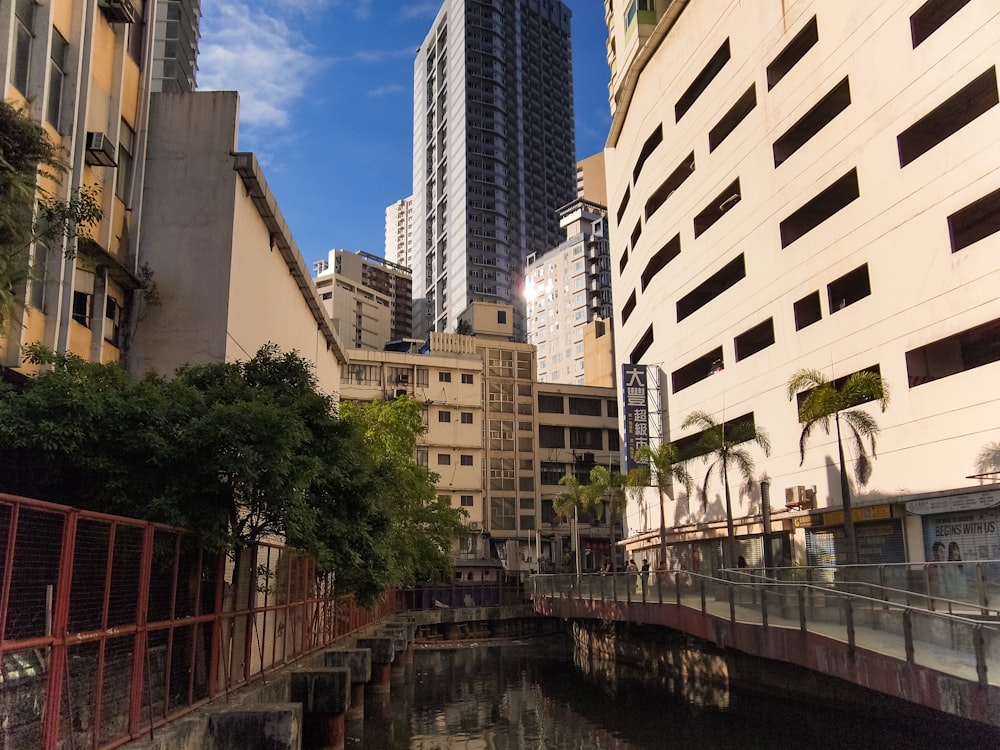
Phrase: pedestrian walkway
(947, 661)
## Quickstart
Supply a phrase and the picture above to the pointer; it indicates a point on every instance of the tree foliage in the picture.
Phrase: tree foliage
(27, 213)
(825, 401)
(238, 452)
(723, 446)
(660, 467)
(604, 492)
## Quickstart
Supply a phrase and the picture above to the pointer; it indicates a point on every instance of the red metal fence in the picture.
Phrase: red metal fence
(110, 627)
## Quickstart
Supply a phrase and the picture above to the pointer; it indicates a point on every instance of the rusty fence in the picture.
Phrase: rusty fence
(110, 626)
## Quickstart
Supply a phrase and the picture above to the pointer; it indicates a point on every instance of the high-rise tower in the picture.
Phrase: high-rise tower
(493, 152)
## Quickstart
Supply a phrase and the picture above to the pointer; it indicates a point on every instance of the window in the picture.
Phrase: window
(444, 459)
(648, 148)
(501, 397)
(501, 316)
(931, 16)
(467, 378)
(688, 447)
(590, 407)
(694, 372)
(444, 416)
(948, 118)
(963, 351)
(466, 417)
(701, 81)
(137, 35)
(112, 322)
(550, 404)
(752, 341)
(551, 436)
(807, 311)
(636, 232)
(975, 222)
(643, 346)
(444, 377)
(422, 374)
(838, 384)
(659, 261)
(81, 308)
(812, 122)
(421, 457)
(552, 472)
(123, 175)
(628, 307)
(465, 460)
(466, 501)
(849, 288)
(502, 514)
(614, 440)
(57, 73)
(589, 438)
(712, 287)
(736, 114)
(796, 49)
(612, 408)
(838, 195)
(670, 185)
(526, 484)
(623, 205)
(717, 208)
(24, 15)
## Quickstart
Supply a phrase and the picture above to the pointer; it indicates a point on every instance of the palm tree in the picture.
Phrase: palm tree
(722, 447)
(607, 487)
(824, 400)
(661, 465)
(573, 499)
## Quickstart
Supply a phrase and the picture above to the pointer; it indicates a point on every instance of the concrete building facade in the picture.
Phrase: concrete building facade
(229, 273)
(175, 45)
(399, 232)
(815, 185)
(82, 71)
(591, 179)
(493, 152)
(566, 288)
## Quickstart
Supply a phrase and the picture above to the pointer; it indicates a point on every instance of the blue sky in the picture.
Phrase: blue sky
(326, 103)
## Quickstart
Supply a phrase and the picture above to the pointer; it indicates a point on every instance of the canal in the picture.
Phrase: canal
(532, 695)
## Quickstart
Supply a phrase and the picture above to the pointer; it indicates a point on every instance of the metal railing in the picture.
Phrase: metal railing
(110, 626)
(966, 646)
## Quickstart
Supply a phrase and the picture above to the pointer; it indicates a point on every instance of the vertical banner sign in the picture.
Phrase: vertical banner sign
(636, 412)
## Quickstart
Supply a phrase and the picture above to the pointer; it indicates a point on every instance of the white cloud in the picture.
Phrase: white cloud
(392, 88)
(259, 55)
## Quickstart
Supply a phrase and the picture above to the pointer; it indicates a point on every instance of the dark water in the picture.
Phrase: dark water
(533, 696)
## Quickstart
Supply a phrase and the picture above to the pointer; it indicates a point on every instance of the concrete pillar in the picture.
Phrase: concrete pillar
(359, 662)
(409, 630)
(325, 695)
(399, 645)
(266, 726)
(383, 653)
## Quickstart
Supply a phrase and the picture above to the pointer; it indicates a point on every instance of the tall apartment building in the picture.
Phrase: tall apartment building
(566, 288)
(815, 185)
(399, 232)
(82, 70)
(493, 152)
(591, 182)
(497, 439)
(175, 45)
(369, 298)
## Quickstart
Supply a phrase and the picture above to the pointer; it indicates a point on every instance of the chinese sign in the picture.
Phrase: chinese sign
(636, 412)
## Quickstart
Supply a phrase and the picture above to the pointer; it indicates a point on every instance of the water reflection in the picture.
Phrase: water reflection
(533, 696)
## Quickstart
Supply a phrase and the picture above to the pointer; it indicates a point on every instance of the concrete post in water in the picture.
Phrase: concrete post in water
(359, 662)
(409, 631)
(383, 654)
(325, 695)
(399, 646)
(266, 726)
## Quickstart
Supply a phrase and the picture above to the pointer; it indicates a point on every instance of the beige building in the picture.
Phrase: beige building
(81, 70)
(815, 185)
(495, 452)
(590, 179)
(399, 232)
(229, 273)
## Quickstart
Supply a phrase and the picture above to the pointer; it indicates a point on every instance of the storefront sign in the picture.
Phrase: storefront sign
(955, 503)
(868, 513)
(636, 412)
(972, 535)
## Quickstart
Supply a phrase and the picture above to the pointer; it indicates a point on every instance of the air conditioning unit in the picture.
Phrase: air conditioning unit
(118, 11)
(475, 526)
(800, 497)
(100, 151)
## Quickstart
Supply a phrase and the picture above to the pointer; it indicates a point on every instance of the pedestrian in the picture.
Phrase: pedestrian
(631, 573)
(645, 577)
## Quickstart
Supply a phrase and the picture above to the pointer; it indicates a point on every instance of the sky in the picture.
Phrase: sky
(326, 103)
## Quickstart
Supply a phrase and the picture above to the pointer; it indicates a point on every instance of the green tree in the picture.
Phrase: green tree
(28, 214)
(661, 467)
(824, 401)
(606, 493)
(464, 328)
(722, 446)
(573, 500)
